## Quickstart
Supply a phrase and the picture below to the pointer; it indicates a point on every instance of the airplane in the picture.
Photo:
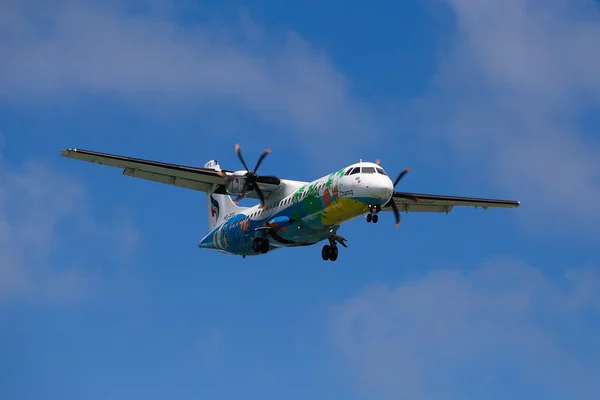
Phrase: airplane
(290, 213)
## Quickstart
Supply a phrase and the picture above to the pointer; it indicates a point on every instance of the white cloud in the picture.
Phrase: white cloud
(511, 97)
(88, 47)
(501, 330)
(43, 221)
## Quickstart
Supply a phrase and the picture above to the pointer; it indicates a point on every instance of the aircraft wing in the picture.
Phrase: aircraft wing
(195, 178)
(418, 202)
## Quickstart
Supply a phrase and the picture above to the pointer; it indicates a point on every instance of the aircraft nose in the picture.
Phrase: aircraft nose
(385, 189)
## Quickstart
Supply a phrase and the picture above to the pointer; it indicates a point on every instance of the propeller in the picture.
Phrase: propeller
(396, 194)
(252, 179)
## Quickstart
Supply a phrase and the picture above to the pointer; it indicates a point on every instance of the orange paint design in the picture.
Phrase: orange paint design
(245, 225)
(326, 197)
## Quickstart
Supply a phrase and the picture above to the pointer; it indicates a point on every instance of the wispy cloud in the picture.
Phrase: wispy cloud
(512, 96)
(39, 210)
(86, 47)
(505, 328)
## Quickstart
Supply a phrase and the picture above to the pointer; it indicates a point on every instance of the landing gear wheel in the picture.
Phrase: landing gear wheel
(330, 251)
(325, 252)
(264, 246)
(333, 253)
(257, 245)
(369, 217)
(375, 218)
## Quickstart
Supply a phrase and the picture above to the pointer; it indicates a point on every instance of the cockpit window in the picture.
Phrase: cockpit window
(356, 170)
(381, 171)
(368, 170)
(348, 171)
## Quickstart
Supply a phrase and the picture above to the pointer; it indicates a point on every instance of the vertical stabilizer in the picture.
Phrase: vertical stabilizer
(219, 205)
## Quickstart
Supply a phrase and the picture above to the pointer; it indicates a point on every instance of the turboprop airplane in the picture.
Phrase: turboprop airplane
(291, 213)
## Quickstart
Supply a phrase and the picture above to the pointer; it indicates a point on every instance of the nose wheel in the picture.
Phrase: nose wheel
(372, 215)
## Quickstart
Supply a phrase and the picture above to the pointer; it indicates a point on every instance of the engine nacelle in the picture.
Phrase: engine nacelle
(235, 183)
(281, 222)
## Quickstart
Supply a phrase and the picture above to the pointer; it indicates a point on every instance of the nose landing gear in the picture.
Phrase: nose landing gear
(372, 215)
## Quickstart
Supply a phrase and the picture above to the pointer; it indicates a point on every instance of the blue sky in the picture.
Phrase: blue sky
(105, 295)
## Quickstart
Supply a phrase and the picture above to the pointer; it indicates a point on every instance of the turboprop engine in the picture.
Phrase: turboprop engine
(244, 181)
(236, 182)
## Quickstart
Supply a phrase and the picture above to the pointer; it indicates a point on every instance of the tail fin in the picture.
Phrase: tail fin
(219, 206)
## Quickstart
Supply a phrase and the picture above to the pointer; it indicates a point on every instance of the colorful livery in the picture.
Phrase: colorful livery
(290, 213)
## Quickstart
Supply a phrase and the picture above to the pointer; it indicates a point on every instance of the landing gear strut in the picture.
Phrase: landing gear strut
(260, 245)
(372, 215)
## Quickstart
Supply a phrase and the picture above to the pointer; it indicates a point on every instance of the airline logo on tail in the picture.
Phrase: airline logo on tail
(214, 208)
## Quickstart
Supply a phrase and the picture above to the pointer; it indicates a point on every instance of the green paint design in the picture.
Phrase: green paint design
(311, 197)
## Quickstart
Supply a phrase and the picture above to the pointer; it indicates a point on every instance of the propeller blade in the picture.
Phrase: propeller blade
(239, 154)
(252, 179)
(261, 158)
(378, 162)
(263, 202)
(237, 199)
(401, 175)
(396, 213)
(269, 180)
(241, 195)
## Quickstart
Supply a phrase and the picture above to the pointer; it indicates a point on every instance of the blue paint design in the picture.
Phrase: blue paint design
(214, 208)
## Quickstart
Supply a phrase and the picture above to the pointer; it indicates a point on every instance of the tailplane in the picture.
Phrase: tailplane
(220, 206)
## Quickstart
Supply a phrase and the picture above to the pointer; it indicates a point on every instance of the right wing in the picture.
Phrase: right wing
(418, 202)
(195, 178)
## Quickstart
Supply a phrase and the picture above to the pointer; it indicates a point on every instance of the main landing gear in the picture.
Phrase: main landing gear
(372, 215)
(260, 245)
(330, 251)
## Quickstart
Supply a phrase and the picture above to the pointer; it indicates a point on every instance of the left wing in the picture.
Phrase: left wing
(195, 178)
(418, 202)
